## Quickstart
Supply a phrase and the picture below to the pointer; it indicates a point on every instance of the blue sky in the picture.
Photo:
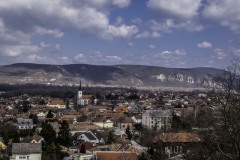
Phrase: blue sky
(168, 33)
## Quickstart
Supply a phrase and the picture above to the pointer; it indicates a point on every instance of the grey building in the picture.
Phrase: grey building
(157, 119)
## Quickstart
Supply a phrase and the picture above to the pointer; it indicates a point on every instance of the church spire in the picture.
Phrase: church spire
(80, 86)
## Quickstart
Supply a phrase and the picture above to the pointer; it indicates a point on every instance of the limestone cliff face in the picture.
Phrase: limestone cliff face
(119, 75)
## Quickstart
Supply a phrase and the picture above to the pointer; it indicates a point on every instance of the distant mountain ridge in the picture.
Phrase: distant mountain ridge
(100, 75)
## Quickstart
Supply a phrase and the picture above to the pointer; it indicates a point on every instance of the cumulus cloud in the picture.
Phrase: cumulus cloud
(47, 17)
(22, 20)
(204, 45)
(96, 57)
(79, 57)
(181, 8)
(171, 54)
(121, 3)
(219, 54)
(54, 17)
(122, 31)
(144, 34)
(113, 58)
(225, 12)
(17, 50)
(157, 28)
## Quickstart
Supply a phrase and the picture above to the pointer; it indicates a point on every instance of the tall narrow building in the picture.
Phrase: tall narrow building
(80, 98)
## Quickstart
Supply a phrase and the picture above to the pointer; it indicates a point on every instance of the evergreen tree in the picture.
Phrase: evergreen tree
(34, 117)
(110, 138)
(64, 134)
(48, 133)
(128, 132)
(50, 114)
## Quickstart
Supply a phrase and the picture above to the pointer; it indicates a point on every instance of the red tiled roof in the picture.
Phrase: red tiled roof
(178, 137)
(111, 155)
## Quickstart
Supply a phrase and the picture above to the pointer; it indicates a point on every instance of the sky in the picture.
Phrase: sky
(167, 33)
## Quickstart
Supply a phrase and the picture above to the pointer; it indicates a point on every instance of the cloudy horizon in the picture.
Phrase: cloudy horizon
(166, 33)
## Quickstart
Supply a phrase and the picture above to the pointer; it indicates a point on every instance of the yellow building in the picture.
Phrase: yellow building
(2, 146)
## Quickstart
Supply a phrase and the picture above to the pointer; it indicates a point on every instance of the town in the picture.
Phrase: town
(112, 125)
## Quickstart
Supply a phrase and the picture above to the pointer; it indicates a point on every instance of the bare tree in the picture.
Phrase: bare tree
(224, 133)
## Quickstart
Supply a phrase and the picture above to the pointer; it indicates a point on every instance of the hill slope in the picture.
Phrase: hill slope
(118, 75)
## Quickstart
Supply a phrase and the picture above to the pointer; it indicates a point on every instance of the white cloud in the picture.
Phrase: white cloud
(137, 20)
(157, 28)
(121, 3)
(79, 57)
(113, 58)
(152, 46)
(144, 34)
(44, 45)
(180, 8)
(219, 54)
(122, 31)
(64, 58)
(42, 31)
(235, 51)
(54, 17)
(57, 47)
(18, 50)
(179, 52)
(171, 54)
(102, 3)
(204, 45)
(227, 13)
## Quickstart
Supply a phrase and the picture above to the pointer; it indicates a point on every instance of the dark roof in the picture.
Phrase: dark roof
(104, 149)
(89, 136)
(29, 139)
(96, 133)
(13, 111)
(125, 120)
(26, 148)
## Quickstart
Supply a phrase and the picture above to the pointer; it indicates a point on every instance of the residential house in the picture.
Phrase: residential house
(57, 103)
(173, 144)
(103, 122)
(157, 119)
(82, 127)
(2, 145)
(124, 122)
(92, 108)
(137, 118)
(41, 116)
(92, 136)
(24, 124)
(28, 151)
(33, 139)
(123, 109)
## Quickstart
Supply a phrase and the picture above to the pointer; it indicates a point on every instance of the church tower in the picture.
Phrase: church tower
(79, 99)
